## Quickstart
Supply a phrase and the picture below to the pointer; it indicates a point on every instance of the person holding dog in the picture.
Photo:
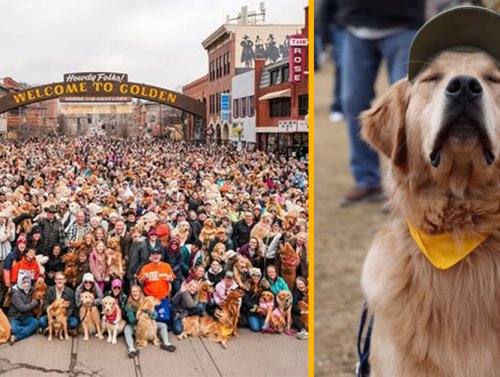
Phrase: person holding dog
(22, 321)
(274, 282)
(186, 303)
(250, 302)
(60, 290)
(134, 302)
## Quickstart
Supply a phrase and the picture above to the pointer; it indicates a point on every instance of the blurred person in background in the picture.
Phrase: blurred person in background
(373, 31)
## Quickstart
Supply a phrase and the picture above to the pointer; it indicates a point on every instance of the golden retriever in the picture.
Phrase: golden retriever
(146, 329)
(217, 329)
(58, 319)
(89, 316)
(4, 328)
(262, 228)
(442, 135)
(112, 320)
(115, 264)
(70, 268)
(182, 231)
(289, 260)
(39, 293)
(280, 318)
(241, 272)
(205, 289)
(266, 303)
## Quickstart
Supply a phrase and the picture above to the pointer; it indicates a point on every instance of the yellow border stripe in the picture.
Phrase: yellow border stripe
(311, 186)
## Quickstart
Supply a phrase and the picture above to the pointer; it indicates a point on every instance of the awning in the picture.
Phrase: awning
(276, 94)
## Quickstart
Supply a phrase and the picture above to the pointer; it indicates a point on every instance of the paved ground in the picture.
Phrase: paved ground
(342, 238)
(250, 355)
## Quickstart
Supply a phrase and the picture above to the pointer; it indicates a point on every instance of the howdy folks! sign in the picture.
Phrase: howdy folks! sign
(101, 85)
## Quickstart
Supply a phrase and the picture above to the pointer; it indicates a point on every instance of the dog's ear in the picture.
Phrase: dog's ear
(383, 126)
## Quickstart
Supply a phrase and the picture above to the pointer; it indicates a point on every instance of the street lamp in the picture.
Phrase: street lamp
(239, 132)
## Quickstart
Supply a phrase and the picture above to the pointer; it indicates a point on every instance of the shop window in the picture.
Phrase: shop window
(279, 107)
(251, 107)
(303, 104)
(275, 76)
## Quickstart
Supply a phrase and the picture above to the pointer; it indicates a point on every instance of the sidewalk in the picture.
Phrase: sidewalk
(250, 355)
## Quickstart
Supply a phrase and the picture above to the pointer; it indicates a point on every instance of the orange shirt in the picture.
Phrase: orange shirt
(156, 283)
(32, 269)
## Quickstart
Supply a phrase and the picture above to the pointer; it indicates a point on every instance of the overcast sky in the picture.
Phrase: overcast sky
(157, 42)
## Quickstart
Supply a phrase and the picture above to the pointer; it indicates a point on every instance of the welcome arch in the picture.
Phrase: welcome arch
(102, 85)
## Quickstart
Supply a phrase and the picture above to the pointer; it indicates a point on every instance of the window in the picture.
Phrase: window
(228, 63)
(220, 66)
(279, 107)
(303, 104)
(251, 108)
(275, 76)
(236, 113)
(285, 74)
(243, 107)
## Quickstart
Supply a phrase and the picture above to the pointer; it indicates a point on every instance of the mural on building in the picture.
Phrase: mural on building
(258, 48)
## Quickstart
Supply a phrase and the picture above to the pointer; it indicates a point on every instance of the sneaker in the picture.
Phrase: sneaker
(168, 347)
(302, 335)
(336, 117)
(359, 195)
(132, 353)
(290, 332)
(12, 340)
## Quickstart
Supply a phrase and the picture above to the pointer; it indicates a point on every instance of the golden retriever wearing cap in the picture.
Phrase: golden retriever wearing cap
(432, 274)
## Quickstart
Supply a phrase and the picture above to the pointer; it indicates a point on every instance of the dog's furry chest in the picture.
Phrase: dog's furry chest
(430, 320)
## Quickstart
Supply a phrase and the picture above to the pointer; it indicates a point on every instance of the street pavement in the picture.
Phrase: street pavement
(250, 355)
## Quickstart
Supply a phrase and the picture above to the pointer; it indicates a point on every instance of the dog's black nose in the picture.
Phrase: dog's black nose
(464, 89)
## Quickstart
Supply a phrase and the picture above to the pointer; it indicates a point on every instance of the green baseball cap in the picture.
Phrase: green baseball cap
(467, 29)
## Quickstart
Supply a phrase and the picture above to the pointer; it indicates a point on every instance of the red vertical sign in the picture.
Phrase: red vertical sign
(298, 45)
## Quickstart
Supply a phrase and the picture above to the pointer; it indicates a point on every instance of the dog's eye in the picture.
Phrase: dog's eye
(493, 79)
(432, 78)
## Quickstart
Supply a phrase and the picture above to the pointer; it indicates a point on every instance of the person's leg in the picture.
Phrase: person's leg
(15, 326)
(297, 322)
(254, 323)
(337, 38)
(44, 322)
(27, 327)
(177, 326)
(360, 63)
(395, 49)
(161, 328)
(129, 339)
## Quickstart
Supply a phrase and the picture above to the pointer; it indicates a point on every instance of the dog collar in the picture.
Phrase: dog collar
(113, 316)
(441, 249)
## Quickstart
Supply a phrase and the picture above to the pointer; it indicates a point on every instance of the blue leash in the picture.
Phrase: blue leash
(363, 366)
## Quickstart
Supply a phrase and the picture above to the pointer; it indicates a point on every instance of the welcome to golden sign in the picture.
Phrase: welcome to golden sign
(102, 89)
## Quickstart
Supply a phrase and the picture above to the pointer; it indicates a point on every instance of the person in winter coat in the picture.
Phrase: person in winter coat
(36, 241)
(175, 259)
(60, 290)
(186, 303)
(138, 256)
(53, 265)
(276, 283)
(22, 321)
(242, 229)
(88, 285)
(215, 273)
(52, 230)
(98, 266)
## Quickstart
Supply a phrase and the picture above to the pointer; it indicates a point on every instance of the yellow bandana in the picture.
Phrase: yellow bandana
(441, 250)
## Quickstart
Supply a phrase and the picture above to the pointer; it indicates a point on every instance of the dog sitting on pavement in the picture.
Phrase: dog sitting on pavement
(89, 315)
(112, 320)
(146, 329)
(58, 319)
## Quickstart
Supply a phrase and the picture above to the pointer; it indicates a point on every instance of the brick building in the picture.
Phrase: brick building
(232, 49)
(282, 106)
(197, 89)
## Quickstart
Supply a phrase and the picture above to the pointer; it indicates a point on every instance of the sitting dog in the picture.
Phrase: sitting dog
(4, 328)
(431, 275)
(241, 272)
(112, 320)
(114, 262)
(205, 289)
(219, 253)
(289, 260)
(70, 268)
(145, 330)
(39, 293)
(262, 228)
(89, 315)
(266, 303)
(280, 318)
(58, 319)
(182, 231)
(304, 306)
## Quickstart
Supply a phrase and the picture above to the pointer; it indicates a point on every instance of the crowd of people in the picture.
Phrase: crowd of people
(180, 215)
